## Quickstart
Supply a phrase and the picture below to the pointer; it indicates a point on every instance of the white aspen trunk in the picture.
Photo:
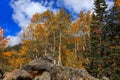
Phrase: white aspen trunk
(77, 46)
(20, 65)
(68, 31)
(75, 49)
(45, 50)
(84, 43)
(46, 46)
(59, 57)
(54, 44)
(51, 47)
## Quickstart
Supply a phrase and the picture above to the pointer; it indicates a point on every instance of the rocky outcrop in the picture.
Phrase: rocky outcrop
(44, 63)
(45, 69)
(66, 73)
(18, 74)
(44, 76)
(1, 74)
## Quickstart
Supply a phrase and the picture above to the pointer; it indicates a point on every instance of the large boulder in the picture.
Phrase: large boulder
(46, 64)
(45, 76)
(105, 78)
(66, 73)
(17, 74)
(41, 64)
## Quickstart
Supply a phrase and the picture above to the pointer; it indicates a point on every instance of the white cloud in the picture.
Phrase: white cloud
(110, 4)
(14, 40)
(24, 9)
(78, 5)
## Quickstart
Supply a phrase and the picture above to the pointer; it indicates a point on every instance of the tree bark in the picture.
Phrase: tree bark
(54, 44)
(75, 48)
(60, 42)
(45, 45)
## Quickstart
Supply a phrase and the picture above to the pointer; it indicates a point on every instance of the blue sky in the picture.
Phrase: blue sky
(15, 15)
(6, 21)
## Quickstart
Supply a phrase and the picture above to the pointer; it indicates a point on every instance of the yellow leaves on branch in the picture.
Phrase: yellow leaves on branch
(75, 28)
(114, 47)
(35, 18)
(3, 41)
(7, 54)
(37, 31)
(80, 66)
(87, 28)
(23, 50)
(15, 62)
(118, 2)
(40, 29)
(15, 59)
(1, 34)
(69, 53)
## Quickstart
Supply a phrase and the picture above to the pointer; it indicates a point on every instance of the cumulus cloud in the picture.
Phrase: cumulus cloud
(110, 4)
(79, 5)
(14, 40)
(24, 9)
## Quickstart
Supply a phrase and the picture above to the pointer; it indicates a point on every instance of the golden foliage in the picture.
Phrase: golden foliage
(23, 50)
(80, 66)
(3, 41)
(16, 62)
(7, 54)
(118, 2)
(35, 17)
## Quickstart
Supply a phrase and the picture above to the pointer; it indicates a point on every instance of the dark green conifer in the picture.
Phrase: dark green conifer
(98, 37)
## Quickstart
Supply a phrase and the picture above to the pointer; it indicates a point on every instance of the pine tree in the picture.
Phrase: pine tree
(98, 37)
(113, 40)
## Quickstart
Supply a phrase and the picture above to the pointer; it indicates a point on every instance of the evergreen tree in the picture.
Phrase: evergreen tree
(113, 40)
(98, 37)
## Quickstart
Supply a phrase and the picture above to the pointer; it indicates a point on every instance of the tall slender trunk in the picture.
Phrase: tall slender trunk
(60, 42)
(84, 42)
(21, 66)
(75, 48)
(45, 45)
(54, 44)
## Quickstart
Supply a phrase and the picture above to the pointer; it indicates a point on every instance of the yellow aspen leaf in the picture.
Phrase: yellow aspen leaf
(3, 41)
(23, 50)
(118, 2)
(7, 54)
(80, 66)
